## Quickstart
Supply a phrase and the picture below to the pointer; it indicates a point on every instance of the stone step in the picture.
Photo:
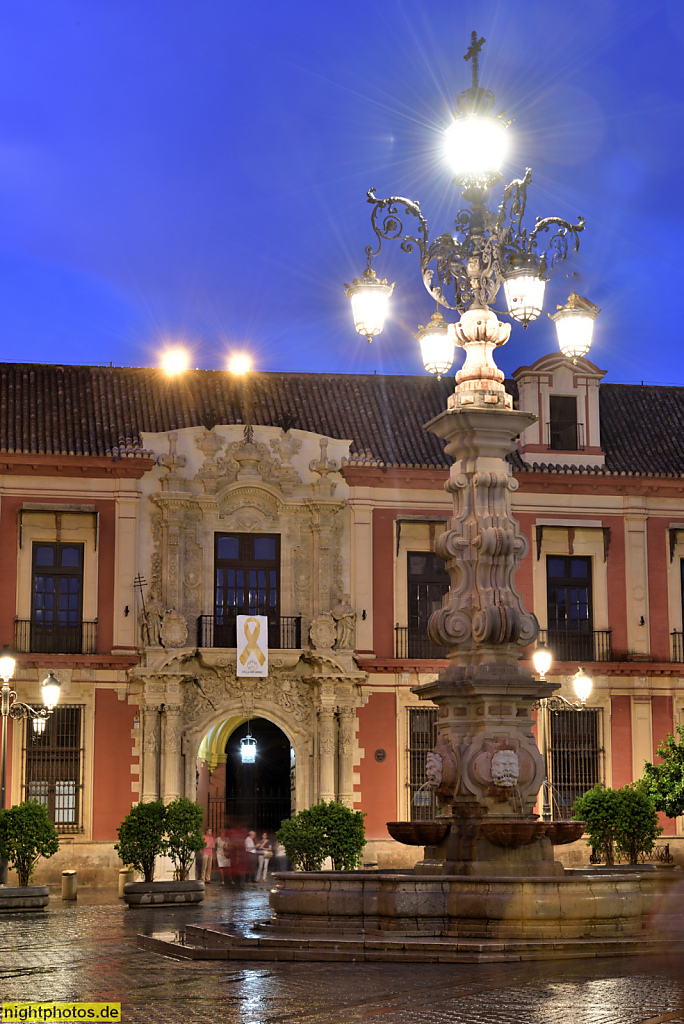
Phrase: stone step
(199, 943)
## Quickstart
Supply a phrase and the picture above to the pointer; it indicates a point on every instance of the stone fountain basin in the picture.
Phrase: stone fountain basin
(562, 832)
(418, 833)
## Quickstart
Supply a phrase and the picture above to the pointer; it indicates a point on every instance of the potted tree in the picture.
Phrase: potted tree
(184, 836)
(26, 834)
(143, 838)
(324, 830)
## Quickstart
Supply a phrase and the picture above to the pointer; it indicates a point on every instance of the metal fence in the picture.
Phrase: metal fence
(575, 756)
(284, 632)
(565, 435)
(54, 637)
(422, 737)
(578, 645)
(53, 766)
(410, 643)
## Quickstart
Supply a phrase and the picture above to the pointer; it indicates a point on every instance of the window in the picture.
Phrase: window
(56, 598)
(569, 608)
(575, 756)
(53, 765)
(247, 582)
(564, 430)
(427, 583)
(422, 737)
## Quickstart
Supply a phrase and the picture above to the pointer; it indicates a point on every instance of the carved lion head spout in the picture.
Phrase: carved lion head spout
(505, 768)
(433, 769)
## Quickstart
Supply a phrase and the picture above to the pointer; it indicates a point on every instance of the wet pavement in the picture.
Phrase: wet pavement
(86, 951)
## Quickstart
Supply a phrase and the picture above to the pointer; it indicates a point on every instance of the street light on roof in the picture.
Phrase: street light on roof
(175, 361)
(239, 364)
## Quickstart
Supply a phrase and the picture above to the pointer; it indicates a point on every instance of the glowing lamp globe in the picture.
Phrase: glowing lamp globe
(575, 326)
(51, 688)
(476, 145)
(541, 659)
(582, 684)
(248, 749)
(39, 726)
(239, 364)
(370, 299)
(436, 345)
(524, 290)
(7, 664)
(175, 361)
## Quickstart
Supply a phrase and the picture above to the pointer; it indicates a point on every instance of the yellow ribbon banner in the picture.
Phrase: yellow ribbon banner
(251, 657)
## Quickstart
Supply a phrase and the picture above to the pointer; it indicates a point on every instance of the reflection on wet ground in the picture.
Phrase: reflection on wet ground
(86, 951)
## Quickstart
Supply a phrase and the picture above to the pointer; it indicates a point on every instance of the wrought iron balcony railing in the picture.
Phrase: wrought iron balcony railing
(578, 645)
(54, 637)
(284, 632)
(415, 643)
(565, 435)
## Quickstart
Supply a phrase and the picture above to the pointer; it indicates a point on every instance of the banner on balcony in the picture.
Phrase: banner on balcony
(252, 645)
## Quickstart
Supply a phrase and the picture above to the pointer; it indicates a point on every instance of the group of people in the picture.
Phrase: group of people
(240, 856)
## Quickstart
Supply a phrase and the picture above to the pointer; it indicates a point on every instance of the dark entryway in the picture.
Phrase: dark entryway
(259, 795)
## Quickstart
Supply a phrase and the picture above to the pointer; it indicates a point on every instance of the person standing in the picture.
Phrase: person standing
(223, 856)
(265, 852)
(207, 855)
(250, 847)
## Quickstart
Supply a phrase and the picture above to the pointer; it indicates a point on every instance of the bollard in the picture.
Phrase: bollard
(69, 885)
(125, 876)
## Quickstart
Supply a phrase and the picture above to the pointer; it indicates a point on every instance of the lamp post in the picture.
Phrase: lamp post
(582, 685)
(486, 768)
(16, 709)
(463, 269)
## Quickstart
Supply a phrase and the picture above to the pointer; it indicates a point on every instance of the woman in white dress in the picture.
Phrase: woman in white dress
(222, 856)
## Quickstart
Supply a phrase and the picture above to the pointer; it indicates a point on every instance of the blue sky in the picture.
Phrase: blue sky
(196, 171)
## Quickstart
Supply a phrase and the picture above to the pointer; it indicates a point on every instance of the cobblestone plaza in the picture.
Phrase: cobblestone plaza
(86, 951)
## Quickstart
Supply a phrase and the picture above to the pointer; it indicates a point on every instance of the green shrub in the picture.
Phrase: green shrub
(184, 837)
(599, 808)
(619, 820)
(26, 833)
(141, 837)
(324, 830)
(665, 781)
(637, 826)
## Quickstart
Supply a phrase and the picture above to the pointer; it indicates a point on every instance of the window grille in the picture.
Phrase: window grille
(575, 756)
(422, 737)
(53, 766)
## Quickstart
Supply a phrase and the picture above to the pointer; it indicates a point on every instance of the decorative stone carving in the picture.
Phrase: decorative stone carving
(209, 443)
(172, 462)
(505, 768)
(345, 617)
(150, 624)
(433, 769)
(285, 446)
(323, 632)
(174, 629)
(324, 467)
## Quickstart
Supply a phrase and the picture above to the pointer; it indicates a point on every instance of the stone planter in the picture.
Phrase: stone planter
(23, 897)
(156, 894)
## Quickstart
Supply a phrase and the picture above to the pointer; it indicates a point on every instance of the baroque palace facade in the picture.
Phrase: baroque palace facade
(139, 515)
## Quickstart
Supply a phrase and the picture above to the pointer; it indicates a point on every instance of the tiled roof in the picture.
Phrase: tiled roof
(92, 410)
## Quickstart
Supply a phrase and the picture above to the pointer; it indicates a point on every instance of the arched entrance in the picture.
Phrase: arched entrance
(259, 795)
(253, 796)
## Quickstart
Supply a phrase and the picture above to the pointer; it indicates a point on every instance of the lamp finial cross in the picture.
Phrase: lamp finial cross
(474, 55)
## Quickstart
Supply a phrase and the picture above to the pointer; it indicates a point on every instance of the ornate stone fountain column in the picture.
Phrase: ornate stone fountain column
(486, 767)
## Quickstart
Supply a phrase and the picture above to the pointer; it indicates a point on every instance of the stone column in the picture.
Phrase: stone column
(326, 756)
(150, 765)
(345, 785)
(173, 776)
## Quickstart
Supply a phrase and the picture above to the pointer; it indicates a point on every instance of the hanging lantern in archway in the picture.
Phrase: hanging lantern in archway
(248, 749)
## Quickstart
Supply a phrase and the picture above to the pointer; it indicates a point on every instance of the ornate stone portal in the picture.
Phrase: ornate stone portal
(486, 766)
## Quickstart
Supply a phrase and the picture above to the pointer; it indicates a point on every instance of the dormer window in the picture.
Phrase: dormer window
(565, 433)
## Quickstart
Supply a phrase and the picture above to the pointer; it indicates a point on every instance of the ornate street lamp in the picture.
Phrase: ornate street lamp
(16, 709)
(575, 326)
(464, 269)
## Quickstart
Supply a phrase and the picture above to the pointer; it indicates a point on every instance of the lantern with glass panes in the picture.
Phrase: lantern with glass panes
(463, 269)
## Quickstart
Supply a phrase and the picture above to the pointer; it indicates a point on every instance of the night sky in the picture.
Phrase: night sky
(196, 172)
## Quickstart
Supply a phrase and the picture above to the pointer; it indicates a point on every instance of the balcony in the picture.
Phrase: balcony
(284, 632)
(578, 645)
(565, 435)
(677, 646)
(54, 637)
(415, 643)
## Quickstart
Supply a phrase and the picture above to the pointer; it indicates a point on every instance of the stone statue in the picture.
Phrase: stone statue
(150, 627)
(345, 617)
